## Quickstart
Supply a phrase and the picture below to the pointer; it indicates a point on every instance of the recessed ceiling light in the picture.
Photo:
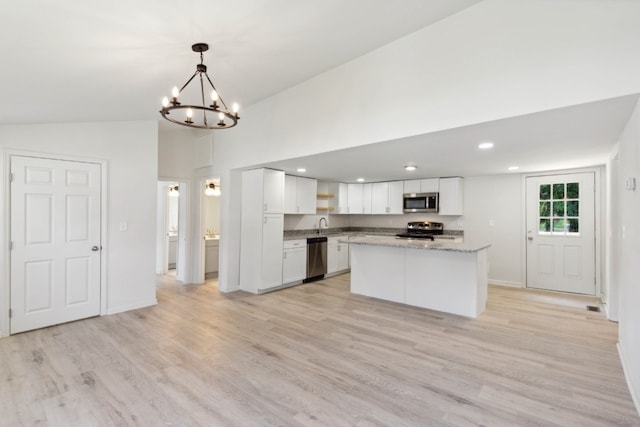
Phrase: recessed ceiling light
(301, 170)
(513, 168)
(410, 168)
(485, 145)
(360, 180)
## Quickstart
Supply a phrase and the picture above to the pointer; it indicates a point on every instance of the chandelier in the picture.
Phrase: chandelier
(211, 116)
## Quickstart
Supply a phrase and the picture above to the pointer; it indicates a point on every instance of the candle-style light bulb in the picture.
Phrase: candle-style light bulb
(214, 95)
(189, 112)
(175, 92)
(221, 117)
(165, 102)
(235, 108)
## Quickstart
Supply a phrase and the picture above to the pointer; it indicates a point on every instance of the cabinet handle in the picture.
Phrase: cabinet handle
(265, 207)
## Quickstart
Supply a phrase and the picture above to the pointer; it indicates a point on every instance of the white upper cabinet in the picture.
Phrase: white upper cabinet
(290, 196)
(340, 202)
(366, 198)
(428, 185)
(451, 196)
(412, 186)
(300, 195)
(272, 190)
(386, 197)
(355, 198)
(379, 197)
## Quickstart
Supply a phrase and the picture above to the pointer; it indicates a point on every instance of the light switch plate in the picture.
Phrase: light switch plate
(631, 184)
(124, 226)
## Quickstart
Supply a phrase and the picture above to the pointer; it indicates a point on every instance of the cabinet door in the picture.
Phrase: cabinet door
(294, 265)
(273, 191)
(332, 258)
(272, 232)
(366, 198)
(355, 198)
(412, 186)
(211, 258)
(290, 194)
(339, 203)
(451, 196)
(379, 197)
(343, 256)
(306, 195)
(430, 185)
(395, 197)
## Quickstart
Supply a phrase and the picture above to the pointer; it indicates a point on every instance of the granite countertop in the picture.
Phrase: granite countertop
(358, 231)
(439, 245)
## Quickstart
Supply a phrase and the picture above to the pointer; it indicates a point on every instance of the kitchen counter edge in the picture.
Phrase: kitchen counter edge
(392, 241)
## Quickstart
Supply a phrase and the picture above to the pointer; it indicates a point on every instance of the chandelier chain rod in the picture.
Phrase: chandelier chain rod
(219, 95)
(188, 81)
(204, 112)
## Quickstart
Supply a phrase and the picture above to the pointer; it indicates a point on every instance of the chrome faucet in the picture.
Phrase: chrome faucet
(320, 224)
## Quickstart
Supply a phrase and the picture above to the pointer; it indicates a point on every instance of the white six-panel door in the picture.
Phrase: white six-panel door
(561, 233)
(55, 238)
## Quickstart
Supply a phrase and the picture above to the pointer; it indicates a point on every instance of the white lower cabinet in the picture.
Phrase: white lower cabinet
(294, 261)
(173, 251)
(337, 254)
(212, 252)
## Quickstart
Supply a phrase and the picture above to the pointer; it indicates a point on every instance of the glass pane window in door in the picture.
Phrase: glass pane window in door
(545, 225)
(558, 224)
(558, 191)
(545, 209)
(573, 225)
(573, 208)
(545, 192)
(558, 209)
(573, 190)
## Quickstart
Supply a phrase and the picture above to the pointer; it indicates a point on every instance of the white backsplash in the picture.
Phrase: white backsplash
(308, 222)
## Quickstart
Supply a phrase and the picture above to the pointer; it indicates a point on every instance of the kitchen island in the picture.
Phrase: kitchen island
(444, 276)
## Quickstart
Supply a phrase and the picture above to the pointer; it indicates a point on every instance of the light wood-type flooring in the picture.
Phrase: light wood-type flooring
(315, 355)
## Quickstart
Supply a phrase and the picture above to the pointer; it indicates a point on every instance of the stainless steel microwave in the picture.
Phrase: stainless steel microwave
(420, 202)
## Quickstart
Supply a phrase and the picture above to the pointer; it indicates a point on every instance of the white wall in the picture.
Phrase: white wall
(627, 229)
(497, 200)
(497, 59)
(130, 150)
(212, 214)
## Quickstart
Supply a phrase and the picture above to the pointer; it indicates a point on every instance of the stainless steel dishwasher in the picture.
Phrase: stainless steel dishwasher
(316, 258)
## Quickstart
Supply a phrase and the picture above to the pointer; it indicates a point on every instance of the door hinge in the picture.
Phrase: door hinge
(11, 177)
(10, 313)
(10, 245)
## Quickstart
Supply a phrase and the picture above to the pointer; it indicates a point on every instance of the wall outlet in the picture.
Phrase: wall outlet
(124, 226)
(492, 223)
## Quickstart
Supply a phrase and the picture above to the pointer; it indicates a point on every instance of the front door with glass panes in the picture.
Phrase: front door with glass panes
(560, 233)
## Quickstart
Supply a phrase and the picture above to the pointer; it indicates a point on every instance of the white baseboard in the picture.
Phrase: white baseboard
(505, 283)
(133, 306)
(634, 389)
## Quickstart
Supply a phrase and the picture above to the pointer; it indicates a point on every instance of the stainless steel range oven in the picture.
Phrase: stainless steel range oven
(422, 230)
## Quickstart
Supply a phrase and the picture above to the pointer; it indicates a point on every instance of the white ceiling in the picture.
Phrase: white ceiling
(88, 60)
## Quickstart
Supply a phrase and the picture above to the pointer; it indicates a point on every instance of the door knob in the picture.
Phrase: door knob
(530, 238)
(95, 248)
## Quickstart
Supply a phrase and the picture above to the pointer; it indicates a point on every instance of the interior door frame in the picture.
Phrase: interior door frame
(5, 227)
(183, 262)
(599, 220)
